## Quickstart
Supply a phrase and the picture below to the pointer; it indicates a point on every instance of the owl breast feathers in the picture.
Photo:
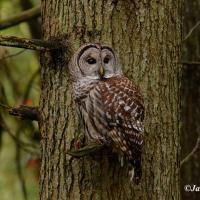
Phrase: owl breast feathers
(110, 106)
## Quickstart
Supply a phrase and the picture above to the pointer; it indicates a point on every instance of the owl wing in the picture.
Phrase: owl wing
(124, 110)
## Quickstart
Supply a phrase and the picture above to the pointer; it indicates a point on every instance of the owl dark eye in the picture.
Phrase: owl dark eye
(91, 61)
(106, 60)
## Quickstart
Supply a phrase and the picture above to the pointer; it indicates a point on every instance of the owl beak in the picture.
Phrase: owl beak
(101, 71)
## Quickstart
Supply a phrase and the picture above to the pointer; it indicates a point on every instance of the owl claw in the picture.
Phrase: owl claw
(131, 174)
(77, 144)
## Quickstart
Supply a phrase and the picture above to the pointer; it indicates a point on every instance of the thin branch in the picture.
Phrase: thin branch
(190, 63)
(23, 112)
(194, 150)
(12, 55)
(191, 30)
(5, 106)
(23, 145)
(30, 84)
(34, 25)
(20, 172)
(33, 44)
(23, 16)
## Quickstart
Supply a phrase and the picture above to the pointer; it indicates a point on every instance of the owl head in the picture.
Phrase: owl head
(94, 62)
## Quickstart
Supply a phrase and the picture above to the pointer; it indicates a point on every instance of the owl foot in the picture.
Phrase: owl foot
(78, 143)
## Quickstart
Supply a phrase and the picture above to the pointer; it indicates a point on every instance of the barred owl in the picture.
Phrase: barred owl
(110, 106)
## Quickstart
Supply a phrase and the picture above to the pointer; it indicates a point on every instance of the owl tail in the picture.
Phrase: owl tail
(135, 170)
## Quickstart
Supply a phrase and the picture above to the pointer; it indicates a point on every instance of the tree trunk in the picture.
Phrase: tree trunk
(147, 37)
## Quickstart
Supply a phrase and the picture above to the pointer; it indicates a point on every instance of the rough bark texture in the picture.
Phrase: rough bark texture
(190, 131)
(147, 37)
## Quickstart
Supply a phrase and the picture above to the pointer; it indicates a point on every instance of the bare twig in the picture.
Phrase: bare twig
(30, 84)
(194, 150)
(33, 44)
(23, 145)
(20, 172)
(191, 30)
(23, 112)
(5, 106)
(12, 55)
(190, 63)
(23, 16)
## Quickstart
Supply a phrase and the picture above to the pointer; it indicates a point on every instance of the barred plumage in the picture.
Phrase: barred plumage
(110, 105)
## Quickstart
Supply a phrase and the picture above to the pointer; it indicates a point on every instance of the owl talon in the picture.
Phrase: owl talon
(78, 144)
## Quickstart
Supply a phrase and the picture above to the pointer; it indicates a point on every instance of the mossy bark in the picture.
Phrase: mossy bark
(147, 37)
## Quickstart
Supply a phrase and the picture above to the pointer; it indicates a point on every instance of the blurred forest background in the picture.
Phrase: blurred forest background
(20, 84)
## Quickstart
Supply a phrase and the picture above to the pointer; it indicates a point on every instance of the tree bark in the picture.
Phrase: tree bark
(147, 37)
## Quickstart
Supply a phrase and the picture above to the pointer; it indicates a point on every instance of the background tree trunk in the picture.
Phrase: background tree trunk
(147, 38)
(190, 131)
